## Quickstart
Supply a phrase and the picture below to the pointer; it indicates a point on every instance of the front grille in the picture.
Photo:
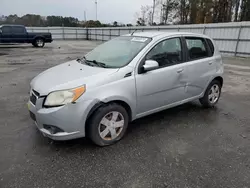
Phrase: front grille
(33, 99)
(36, 93)
(33, 116)
(52, 129)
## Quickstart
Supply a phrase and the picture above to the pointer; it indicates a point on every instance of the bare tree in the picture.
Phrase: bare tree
(194, 11)
(236, 10)
(143, 15)
(184, 11)
(245, 10)
(168, 7)
(153, 12)
(197, 11)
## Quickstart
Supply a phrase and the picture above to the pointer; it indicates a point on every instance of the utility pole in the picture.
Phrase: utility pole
(162, 14)
(96, 10)
(85, 18)
(153, 12)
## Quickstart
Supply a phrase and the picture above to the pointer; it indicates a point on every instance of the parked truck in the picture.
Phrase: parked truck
(19, 34)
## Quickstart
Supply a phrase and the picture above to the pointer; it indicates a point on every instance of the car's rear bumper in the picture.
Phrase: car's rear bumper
(49, 40)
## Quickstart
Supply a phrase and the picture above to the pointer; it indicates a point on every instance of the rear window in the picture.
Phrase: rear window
(197, 48)
(211, 46)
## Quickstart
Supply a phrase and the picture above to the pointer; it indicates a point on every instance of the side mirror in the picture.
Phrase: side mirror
(150, 65)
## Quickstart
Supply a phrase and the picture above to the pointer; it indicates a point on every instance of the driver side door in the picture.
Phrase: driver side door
(158, 89)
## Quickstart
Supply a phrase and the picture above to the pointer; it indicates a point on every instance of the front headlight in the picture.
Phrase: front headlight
(58, 98)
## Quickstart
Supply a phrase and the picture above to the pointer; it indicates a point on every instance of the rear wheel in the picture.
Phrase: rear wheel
(39, 42)
(108, 124)
(212, 94)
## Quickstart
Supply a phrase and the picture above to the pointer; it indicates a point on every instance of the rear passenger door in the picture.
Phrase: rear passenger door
(200, 65)
(19, 34)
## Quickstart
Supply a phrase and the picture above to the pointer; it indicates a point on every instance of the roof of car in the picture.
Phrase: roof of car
(153, 34)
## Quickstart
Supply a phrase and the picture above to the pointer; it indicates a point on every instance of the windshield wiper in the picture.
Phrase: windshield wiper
(83, 60)
(80, 60)
(99, 64)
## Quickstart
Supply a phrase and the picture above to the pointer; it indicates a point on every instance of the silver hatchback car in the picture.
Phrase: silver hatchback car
(124, 79)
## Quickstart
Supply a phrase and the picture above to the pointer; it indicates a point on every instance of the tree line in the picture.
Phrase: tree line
(37, 20)
(194, 12)
(162, 12)
(33, 20)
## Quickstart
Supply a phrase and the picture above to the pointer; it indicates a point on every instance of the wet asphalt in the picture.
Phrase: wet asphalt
(185, 147)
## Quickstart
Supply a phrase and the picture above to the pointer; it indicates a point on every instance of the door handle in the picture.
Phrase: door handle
(211, 62)
(180, 70)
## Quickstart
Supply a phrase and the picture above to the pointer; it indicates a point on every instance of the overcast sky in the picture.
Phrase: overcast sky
(108, 10)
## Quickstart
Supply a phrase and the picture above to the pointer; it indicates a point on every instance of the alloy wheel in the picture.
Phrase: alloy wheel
(214, 94)
(111, 125)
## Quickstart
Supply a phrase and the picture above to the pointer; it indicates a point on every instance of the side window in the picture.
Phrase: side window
(18, 29)
(6, 30)
(167, 52)
(197, 48)
(211, 46)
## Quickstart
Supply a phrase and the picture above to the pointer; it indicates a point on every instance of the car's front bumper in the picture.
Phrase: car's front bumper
(60, 135)
(70, 119)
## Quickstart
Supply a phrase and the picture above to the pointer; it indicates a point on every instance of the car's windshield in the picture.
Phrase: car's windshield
(118, 52)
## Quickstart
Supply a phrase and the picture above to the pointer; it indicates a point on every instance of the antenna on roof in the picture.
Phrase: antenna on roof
(133, 32)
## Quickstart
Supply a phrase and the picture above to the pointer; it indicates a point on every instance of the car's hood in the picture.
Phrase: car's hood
(68, 75)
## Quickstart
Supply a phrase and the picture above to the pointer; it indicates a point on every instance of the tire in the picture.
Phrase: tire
(39, 43)
(101, 125)
(209, 100)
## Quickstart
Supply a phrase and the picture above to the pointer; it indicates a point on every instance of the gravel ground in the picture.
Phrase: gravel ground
(186, 146)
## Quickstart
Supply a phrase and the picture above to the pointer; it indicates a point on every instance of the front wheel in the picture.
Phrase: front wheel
(108, 124)
(212, 94)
